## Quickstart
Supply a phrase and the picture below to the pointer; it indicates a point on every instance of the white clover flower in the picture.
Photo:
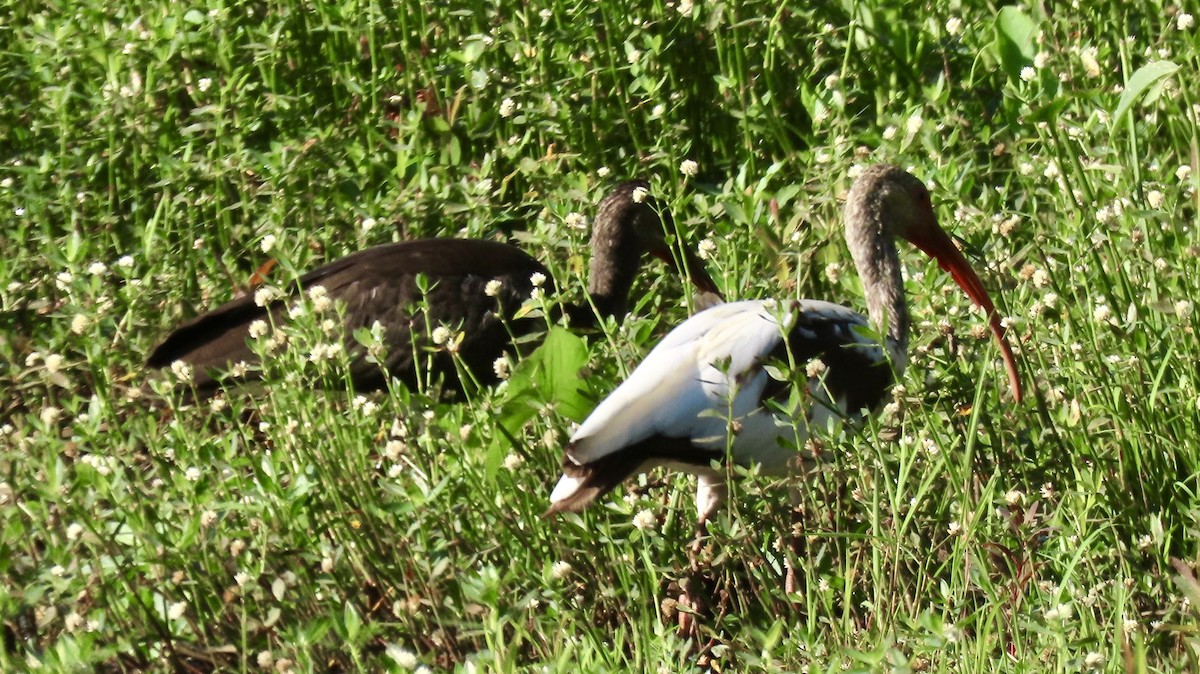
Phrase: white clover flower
(241, 577)
(513, 460)
(953, 25)
(657, 111)
(537, 278)
(1061, 612)
(1093, 660)
(208, 518)
(53, 363)
(176, 610)
(1183, 308)
(192, 473)
(493, 287)
(1155, 199)
(125, 261)
(74, 531)
(1014, 497)
(58, 571)
(954, 528)
(441, 335)
(603, 172)
(576, 221)
(507, 107)
(1102, 313)
(1183, 172)
(267, 243)
(645, 520)
(73, 621)
(639, 194)
(1051, 171)
(1028, 74)
(49, 415)
(1040, 60)
(560, 570)
(97, 268)
(815, 368)
(258, 327)
(265, 660)
(706, 248)
(320, 299)
(80, 323)
(914, 123)
(204, 84)
(265, 295)
(688, 167)
(1184, 21)
(502, 368)
(7, 182)
(404, 658)
(182, 370)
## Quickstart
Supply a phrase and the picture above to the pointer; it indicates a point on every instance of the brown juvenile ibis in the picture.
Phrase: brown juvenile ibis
(702, 394)
(380, 284)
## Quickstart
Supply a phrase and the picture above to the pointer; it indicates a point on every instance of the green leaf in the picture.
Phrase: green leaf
(194, 17)
(1148, 80)
(1014, 40)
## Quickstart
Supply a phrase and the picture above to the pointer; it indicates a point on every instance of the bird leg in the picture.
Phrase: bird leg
(710, 492)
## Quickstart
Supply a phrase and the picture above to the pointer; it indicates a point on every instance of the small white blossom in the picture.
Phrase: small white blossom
(192, 473)
(441, 335)
(537, 278)
(80, 323)
(1185, 21)
(953, 25)
(914, 123)
(639, 194)
(645, 520)
(125, 261)
(1183, 308)
(1155, 199)
(176, 610)
(603, 172)
(367, 224)
(501, 367)
(954, 528)
(507, 107)
(204, 84)
(74, 531)
(688, 167)
(49, 415)
(576, 221)
(1028, 74)
(1014, 497)
(404, 658)
(889, 132)
(706, 248)
(815, 368)
(97, 268)
(493, 287)
(685, 7)
(268, 242)
(265, 660)
(265, 295)
(258, 327)
(513, 461)
(208, 518)
(1102, 313)
(182, 370)
(560, 570)
(1093, 660)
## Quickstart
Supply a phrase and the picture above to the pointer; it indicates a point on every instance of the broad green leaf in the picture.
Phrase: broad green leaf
(1015, 32)
(1148, 81)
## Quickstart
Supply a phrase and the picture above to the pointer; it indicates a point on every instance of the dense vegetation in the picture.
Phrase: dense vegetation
(155, 153)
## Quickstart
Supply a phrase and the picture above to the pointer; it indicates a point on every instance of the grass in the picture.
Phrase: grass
(150, 148)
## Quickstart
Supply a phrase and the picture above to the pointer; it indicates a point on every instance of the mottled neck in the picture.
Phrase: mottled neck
(875, 256)
(616, 251)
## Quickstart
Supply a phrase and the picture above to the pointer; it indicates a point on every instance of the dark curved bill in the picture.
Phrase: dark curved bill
(692, 265)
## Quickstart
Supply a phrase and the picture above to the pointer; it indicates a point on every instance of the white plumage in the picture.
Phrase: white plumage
(707, 372)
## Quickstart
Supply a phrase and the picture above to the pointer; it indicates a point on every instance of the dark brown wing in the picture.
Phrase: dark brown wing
(856, 370)
(381, 284)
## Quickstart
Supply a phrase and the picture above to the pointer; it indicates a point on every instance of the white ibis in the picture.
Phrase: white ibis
(381, 284)
(701, 395)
